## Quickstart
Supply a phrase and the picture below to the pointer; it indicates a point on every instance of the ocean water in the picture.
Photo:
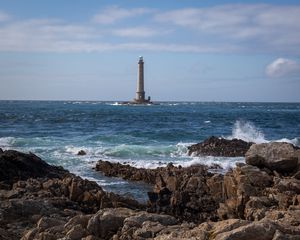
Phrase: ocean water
(142, 136)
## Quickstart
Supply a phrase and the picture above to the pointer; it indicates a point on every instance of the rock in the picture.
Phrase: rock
(239, 185)
(257, 230)
(16, 166)
(127, 172)
(288, 184)
(214, 146)
(140, 218)
(106, 222)
(81, 153)
(281, 236)
(1, 151)
(278, 156)
(77, 220)
(76, 233)
(47, 222)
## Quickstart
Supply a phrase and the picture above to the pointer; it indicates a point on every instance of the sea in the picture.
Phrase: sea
(147, 136)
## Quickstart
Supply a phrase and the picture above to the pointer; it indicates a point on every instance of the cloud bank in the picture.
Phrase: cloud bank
(234, 28)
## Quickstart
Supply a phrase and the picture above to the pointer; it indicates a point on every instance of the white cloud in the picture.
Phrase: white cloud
(282, 67)
(258, 28)
(135, 32)
(113, 14)
(270, 27)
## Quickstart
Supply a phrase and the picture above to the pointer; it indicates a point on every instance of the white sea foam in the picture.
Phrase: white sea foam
(207, 121)
(225, 162)
(246, 131)
(7, 142)
(295, 141)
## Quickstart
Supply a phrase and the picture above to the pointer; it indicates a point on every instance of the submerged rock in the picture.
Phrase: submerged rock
(81, 153)
(214, 146)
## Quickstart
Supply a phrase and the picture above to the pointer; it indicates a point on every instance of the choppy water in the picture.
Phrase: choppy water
(143, 136)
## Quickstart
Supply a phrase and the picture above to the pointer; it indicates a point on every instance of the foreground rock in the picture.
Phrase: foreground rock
(281, 157)
(214, 146)
(16, 166)
(248, 202)
(31, 189)
(190, 193)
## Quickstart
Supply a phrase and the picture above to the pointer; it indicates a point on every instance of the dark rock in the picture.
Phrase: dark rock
(15, 166)
(214, 146)
(281, 157)
(127, 172)
(81, 153)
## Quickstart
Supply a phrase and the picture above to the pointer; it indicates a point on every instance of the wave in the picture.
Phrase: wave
(248, 132)
(7, 142)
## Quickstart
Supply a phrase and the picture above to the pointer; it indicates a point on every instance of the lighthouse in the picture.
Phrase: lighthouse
(140, 92)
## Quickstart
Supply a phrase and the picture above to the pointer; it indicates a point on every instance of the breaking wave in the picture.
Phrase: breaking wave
(248, 132)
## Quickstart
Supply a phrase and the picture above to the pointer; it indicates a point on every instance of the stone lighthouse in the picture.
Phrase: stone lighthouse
(140, 92)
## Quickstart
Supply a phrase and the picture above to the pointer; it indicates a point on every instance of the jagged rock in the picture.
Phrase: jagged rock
(214, 146)
(106, 222)
(16, 166)
(257, 230)
(81, 153)
(240, 184)
(76, 233)
(127, 172)
(77, 220)
(184, 193)
(281, 157)
(48, 222)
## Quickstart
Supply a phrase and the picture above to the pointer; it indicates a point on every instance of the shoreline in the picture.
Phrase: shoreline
(262, 195)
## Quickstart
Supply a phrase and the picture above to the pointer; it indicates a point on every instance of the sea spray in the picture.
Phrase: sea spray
(247, 131)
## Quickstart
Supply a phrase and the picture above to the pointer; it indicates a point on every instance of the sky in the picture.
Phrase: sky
(194, 50)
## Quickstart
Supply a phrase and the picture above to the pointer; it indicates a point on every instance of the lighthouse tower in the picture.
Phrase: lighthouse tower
(140, 92)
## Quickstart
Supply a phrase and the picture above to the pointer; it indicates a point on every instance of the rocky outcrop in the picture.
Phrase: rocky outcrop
(248, 202)
(281, 157)
(190, 193)
(128, 172)
(26, 196)
(214, 146)
(16, 166)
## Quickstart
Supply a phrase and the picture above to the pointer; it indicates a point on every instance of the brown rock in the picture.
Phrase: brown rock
(281, 157)
(106, 222)
(76, 232)
(257, 230)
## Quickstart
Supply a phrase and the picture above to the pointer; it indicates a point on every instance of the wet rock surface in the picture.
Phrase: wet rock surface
(215, 146)
(127, 172)
(248, 202)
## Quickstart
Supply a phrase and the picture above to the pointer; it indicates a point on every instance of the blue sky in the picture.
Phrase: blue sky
(193, 50)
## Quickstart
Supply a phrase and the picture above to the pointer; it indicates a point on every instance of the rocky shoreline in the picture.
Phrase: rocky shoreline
(256, 200)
